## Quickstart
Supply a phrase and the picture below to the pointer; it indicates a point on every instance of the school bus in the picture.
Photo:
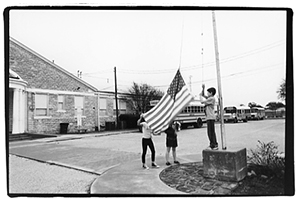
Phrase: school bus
(257, 113)
(236, 113)
(193, 114)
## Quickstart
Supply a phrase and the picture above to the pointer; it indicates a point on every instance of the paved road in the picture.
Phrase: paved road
(96, 153)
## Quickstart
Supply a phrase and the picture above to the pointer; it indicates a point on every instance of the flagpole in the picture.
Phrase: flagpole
(222, 127)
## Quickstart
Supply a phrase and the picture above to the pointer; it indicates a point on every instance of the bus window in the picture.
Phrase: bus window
(196, 109)
(202, 109)
(188, 109)
(230, 110)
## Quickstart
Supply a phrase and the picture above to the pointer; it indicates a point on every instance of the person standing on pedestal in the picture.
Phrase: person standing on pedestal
(209, 103)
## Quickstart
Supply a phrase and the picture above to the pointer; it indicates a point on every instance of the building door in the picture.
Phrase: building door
(10, 110)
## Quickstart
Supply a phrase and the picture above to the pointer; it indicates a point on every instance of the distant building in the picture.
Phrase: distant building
(42, 95)
(278, 113)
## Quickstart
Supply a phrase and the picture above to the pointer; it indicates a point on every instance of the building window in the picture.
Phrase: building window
(103, 104)
(61, 102)
(121, 106)
(102, 107)
(79, 105)
(41, 105)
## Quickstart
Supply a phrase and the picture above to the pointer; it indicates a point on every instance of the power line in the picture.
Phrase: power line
(126, 71)
(192, 67)
(209, 64)
(229, 76)
(239, 73)
(236, 57)
(212, 79)
(97, 72)
(98, 77)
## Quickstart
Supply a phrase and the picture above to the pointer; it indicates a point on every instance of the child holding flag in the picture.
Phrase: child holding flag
(147, 141)
(171, 141)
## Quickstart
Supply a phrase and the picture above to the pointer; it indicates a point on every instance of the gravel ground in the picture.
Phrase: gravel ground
(33, 177)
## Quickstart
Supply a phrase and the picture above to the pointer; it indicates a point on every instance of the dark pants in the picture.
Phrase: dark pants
(211, 133)
(148, 142)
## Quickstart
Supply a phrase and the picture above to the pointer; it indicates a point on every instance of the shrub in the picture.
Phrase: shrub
(267, 156)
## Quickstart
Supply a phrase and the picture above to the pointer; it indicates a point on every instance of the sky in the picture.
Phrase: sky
(149, 46)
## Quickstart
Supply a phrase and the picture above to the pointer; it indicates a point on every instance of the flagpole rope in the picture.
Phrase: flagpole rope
(181, 42)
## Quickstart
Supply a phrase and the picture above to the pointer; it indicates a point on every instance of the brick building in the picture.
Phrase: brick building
(42, 95)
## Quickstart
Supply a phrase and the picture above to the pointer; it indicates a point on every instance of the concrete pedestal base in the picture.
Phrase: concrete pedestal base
(225, 165)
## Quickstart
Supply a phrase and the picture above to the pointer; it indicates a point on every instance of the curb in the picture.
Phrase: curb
(80, 136)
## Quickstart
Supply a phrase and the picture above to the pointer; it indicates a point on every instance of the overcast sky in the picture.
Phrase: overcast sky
(148, 46)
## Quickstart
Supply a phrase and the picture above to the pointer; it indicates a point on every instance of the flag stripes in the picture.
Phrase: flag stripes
(160, 114)
(181, 101)
(170, 105)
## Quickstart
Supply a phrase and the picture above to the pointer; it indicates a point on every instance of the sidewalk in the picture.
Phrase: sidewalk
(131, 179)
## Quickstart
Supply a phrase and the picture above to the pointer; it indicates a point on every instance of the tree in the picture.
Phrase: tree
(274, 105)
(141, 95)
(253, 104)
(282, 90)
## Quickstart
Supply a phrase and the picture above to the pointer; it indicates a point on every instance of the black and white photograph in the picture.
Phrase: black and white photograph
(134, 101)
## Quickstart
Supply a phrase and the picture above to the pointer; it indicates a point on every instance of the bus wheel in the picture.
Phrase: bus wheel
(199, 123)
(235, 120)
(183, 126)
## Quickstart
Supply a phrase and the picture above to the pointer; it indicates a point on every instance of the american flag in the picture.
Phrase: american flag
(170, 105)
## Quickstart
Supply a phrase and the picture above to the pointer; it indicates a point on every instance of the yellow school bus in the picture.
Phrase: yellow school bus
(236, 113)
(192, 115)
(257, 113)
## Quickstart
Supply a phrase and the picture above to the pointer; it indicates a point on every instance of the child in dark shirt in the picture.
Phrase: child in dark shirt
(171, 142)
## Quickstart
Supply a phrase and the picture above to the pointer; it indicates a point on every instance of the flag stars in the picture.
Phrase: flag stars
(176, 85)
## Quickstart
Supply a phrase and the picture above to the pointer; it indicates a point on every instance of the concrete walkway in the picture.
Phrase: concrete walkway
(130, 179)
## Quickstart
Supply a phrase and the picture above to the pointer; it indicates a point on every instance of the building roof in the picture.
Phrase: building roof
(52, 64)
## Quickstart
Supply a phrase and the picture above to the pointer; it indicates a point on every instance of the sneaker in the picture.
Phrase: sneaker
(145, 166)
(212, 148)
(177, 162)
(155, 165)
(168, 163)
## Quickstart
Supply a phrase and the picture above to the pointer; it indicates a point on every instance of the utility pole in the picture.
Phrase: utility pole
(116, 99)
(222, 127)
